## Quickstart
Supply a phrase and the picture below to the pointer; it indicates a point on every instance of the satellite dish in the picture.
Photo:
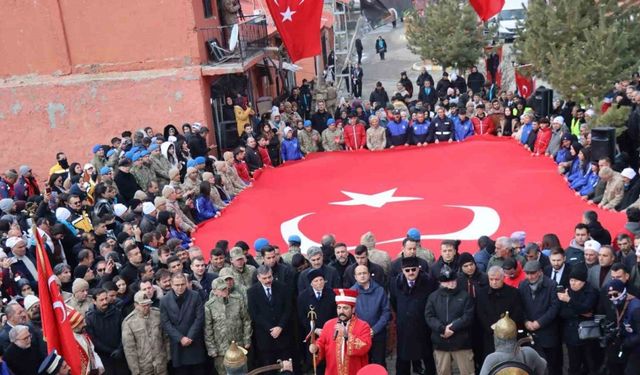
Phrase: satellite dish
(233, 39)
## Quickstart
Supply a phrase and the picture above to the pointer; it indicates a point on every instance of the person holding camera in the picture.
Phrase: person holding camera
(577, 304)
(623, 354)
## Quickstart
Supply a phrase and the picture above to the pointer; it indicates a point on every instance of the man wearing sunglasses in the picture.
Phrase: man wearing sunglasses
(409, 292)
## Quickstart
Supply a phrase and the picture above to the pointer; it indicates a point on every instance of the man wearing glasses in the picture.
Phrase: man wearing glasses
(409, 292)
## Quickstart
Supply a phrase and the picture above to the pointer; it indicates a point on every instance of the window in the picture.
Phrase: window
(208, 11)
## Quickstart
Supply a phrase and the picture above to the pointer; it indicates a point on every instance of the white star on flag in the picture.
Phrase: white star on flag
(373, 200)
(287, 15)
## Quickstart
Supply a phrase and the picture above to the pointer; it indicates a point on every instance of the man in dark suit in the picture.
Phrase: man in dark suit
(541, 306)
(182, 318)
(559, 269)
(24, 264)
(322, 300)
(600, 274)
(270, 311)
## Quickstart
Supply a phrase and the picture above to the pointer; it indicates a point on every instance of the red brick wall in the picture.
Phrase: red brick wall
(70, 114)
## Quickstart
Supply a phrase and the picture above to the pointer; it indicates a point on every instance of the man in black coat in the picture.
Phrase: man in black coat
(270, 311)
(23, 356)
(541, 305)
(322, 300)
(104, 326)
(559, 270)
(449, 314)
(596, 230)
(319, 119)
(126, 182)
(362, 259)
(182, 317)
(408, 296)
(281, 271)
(409, 250)
(493, 302)
(342, 261)
(379, 96)
(475, 81)
(252, 157)
(198, 143)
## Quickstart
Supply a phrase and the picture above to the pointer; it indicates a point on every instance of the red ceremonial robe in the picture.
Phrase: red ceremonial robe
(355, 352)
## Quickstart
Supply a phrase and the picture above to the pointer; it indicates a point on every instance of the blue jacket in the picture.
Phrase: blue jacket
(204, 208)
(590, 184)
(575, 167)
(290, 149)
(182, 236)
(563, 155)
(463, 129)
(579, 182)
(420, 131)
(579, 171)
(372, 306)
(526, 129)
(398, 132)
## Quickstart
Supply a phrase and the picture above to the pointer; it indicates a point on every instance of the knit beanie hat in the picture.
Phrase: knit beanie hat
(79, 284)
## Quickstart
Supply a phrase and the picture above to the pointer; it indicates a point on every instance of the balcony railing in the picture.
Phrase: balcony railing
(235, 43)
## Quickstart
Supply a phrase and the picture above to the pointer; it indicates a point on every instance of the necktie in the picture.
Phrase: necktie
(269, 294)
(471, 290)
(411, 283)
(555, 275)
(318, 295)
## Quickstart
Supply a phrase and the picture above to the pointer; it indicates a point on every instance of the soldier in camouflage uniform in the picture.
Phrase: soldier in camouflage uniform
(294, 248)
(144, 343)
(376, 256)
(309, 139)
(243, 273)
(234, 288)
(226, 319)
(141, 170)
(160, 165)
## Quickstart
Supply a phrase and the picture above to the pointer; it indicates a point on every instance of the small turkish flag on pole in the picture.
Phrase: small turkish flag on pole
(487, 8)
(298, 22)
(524, 84)
(55, 325)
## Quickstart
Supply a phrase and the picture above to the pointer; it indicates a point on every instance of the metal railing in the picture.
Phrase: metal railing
(251, 37)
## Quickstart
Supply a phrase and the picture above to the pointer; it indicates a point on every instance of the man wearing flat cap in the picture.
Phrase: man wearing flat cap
(320, 299)
(345, 341)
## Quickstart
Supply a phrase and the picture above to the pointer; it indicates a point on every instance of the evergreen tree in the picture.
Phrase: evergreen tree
(580, 46)
(449, 34)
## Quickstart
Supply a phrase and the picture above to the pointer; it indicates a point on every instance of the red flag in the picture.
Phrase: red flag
(524, 85)
(487, 8)
(55, 325)
(298, 22)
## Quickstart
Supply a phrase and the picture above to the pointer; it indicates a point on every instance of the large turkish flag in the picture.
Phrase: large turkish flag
(298, 22)
(483, 186)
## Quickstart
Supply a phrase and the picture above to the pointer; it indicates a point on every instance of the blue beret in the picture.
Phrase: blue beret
(200, 160)
(414, 234)
(153, 147)
(111, 152)
(129, 155)
(136, 156)
(260, 243)
(96, 148)
(331, 121)
(191, 163)
(294, 238)
(105, 170)
(307, 123)
(144, 153)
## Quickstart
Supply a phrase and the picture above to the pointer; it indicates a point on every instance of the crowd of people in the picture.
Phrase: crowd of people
(143, 299)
